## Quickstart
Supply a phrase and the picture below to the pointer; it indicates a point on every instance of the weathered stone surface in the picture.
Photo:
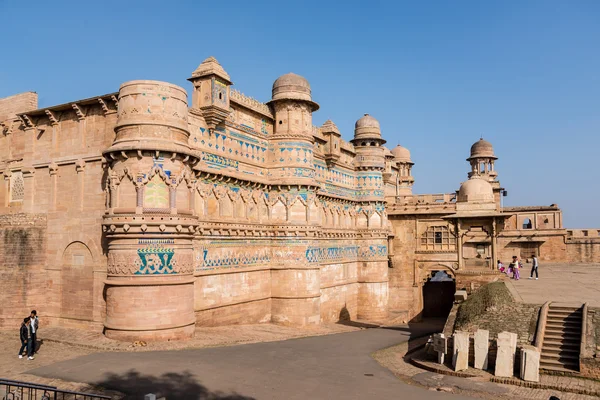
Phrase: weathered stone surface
(440, 345)
(530, 364)
(481, 348)
(460, 295)
(505, 358)
(460, 354)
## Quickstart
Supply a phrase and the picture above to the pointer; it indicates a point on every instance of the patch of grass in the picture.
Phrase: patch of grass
(487, 297)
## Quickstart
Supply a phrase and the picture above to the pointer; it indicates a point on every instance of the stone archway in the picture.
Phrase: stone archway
(77, 283)
(438, 294)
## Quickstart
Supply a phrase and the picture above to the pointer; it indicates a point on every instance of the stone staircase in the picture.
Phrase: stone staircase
(562, 339)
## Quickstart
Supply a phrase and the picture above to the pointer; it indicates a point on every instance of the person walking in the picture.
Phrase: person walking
(34, 328)
(514, 265)
(534, 267)
(25, 336)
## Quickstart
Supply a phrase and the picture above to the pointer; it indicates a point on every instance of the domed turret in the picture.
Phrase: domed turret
(367, 128)
(404, 164)
(293, 87)
(368, 143)
(482, 160)
(476, 190)
(482, 148)
(401, 154)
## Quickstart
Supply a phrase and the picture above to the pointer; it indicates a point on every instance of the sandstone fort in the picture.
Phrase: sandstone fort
(145, 217)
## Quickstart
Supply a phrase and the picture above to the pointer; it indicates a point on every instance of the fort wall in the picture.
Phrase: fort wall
(23, 285)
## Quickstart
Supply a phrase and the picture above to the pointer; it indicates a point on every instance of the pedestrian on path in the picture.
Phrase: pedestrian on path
(534, 267)
(25, 336)
(514, 265)
(500, 266)
(34, 328)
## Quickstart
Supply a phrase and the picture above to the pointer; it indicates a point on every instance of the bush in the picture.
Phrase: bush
(490, 296)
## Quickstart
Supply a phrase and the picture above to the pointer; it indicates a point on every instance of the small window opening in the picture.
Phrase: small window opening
(363, 144)
(527, 224)
(280, 122)
(220, 96)
(372, 143)
(438, 238)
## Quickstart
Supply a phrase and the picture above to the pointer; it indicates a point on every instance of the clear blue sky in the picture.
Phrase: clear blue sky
(437, 74)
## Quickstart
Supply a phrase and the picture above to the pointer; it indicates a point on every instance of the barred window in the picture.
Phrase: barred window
(17, 186)
(437, 238)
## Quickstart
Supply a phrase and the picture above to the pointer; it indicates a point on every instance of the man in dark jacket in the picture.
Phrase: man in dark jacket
(25, 336)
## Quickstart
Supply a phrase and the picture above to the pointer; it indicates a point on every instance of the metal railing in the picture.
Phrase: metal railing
(17, 390)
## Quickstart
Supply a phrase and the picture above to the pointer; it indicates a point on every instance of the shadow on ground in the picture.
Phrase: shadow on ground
(172, 386)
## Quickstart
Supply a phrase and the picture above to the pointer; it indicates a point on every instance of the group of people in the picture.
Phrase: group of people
(516, 265)
(28, 335)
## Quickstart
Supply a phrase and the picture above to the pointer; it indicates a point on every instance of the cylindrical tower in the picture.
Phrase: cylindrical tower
(373, 262)
(295, 285)
(404, 163)
(148, 225)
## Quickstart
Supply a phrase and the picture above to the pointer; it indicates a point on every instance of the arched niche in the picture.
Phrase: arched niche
(77, 282)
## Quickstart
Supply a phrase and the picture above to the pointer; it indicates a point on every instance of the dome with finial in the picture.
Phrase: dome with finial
(292, 87)
(367, 128)
(211, 66)
(401, 154)
(367, 121)
(482, 149)
(476, 190)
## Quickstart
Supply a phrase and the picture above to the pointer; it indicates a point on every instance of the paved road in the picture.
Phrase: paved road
(326, 367)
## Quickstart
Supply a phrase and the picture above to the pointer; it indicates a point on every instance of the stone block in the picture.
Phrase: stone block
(460, 356)
(530, 364)
(482, 345)
(440, 345)
(505, 358)
(460, 296)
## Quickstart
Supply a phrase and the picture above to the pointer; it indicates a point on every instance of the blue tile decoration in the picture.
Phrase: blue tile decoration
(155, 259)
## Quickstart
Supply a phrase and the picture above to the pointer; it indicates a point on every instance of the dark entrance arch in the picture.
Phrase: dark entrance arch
(438, 295)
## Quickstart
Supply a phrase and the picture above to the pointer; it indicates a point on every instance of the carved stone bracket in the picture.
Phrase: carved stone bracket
(79, 110)
(53, 117)
(79, 166)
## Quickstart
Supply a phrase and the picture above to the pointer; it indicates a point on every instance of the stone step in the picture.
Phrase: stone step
(562, 337)
(557, 368)
(564, 317)
(564, 312)
(569, 321)
(563, 328)
(575, 345)
(564, 309)
(559, 354)
(571, 364)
